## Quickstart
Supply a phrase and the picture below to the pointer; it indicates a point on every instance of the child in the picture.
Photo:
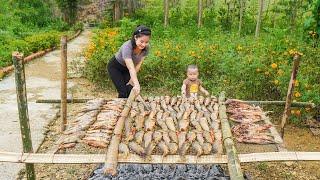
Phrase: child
(192, 85)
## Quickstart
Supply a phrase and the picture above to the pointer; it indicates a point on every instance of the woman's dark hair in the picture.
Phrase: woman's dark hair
(140, 30)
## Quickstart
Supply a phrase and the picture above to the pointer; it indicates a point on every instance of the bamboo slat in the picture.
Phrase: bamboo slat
(41, 158)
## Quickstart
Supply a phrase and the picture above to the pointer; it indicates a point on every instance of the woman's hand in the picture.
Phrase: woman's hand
(130, 82)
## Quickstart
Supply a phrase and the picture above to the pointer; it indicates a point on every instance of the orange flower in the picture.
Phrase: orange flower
(297, 94)
(274, 65)
(298, 112)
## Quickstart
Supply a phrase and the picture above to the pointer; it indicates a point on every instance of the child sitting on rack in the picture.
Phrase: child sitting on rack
(192, 85)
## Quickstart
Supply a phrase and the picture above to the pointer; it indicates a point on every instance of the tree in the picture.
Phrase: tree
(69, 10)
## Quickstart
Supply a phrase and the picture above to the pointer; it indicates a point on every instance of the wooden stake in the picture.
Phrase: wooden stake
(20, 79)
(63, 82)
(287, 109)
(233, 159)
(166, 13)
(241, 15)
(199, 13)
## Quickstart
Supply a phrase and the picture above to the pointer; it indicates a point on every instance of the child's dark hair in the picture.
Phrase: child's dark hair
(140, 30)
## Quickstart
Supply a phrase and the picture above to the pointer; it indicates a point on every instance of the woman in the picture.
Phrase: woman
(124, 66)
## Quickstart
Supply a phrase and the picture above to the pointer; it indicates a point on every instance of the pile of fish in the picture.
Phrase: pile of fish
(171, 125)
(93, 125)
(249, 130)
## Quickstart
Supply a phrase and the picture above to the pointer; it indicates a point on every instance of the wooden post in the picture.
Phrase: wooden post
(199, 13)
(166, 13)
(259, 19)
(20, 79)
(287, 111)
(63, 82)
(233, 159)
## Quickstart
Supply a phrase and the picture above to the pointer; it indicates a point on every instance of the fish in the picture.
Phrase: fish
(147, 138)
(157, 99)
(201, 99)
(206, 147)
(150, 148)
(167, 99)
(173, 148)
(199, 115)
(204, 124)
(163, 105)
(181, 138)
(184, 148)
(139, 136)
(176, 108)
(180, 114)
(170, 124)
(173, 136)
(204, 109)
(191, 136)
(150, 99)
(210, 109)
(164, 148)
(97, 144)
(207, 101)
(150, 121)
(197, 147)
(69, 145)
(133, 113)
(136, 148)
(123, 149)
(200, 138)
(139, 121)
(208, 137)
(129, 130)
(183, 124)
(157, 136)
(165, 137)
(162, 124)
(196, 125)
(173, 101)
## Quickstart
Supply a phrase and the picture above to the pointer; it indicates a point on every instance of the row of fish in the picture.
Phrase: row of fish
(169, 142)
(249, 130)
(171, 125)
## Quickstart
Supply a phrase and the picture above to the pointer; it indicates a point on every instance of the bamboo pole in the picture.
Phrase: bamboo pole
(22, 102)
(166, 12)
(63, 82)
(233, 159)
(111, 161)
(287, 111)
(199, 13)
(40, 158)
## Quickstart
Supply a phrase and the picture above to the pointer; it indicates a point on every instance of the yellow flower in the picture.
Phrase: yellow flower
(297, 94)
(258, 70)
(266, 73)
(239, 48)
(280, 72)
(296, 83)
(158, 53)
(292, 111)
(276, 82)
(274, 65)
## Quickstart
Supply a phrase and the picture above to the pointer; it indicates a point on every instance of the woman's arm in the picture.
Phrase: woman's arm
(138, 66)
(133, 75)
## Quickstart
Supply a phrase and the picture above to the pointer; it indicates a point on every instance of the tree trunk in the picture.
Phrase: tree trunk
(166, 12)
(199, 13)
(259, 19)
(116, 11)
(241, 16)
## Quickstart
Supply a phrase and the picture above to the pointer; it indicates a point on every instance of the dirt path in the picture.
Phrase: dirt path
(42, 77)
